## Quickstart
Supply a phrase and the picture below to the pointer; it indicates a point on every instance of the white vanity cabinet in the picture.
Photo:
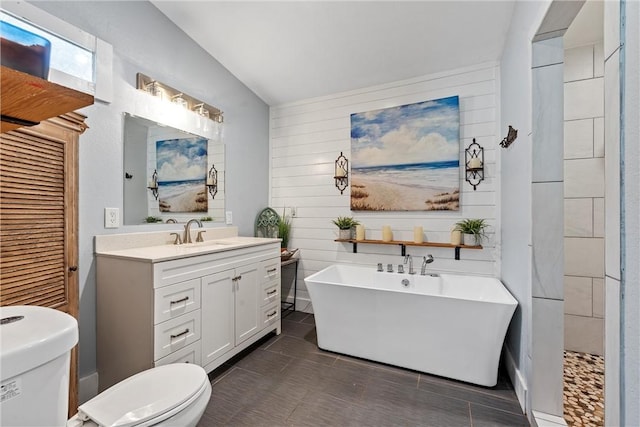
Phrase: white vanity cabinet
(201, 308)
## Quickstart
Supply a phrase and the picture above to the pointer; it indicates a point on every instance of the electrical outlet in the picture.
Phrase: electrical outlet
(293, 211)
(228, 217)
(111, 217)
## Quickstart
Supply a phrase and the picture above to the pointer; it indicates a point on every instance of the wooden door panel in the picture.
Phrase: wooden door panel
(39, 217)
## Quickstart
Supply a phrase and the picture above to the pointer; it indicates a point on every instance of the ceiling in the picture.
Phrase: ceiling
(286, 51)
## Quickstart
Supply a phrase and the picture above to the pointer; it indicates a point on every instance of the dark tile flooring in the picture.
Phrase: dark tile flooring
(287, 380)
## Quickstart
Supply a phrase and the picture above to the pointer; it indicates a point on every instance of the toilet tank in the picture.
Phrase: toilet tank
(35, 353)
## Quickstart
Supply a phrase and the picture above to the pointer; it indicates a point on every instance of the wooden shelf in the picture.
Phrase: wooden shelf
(28, 100)
(403, 245)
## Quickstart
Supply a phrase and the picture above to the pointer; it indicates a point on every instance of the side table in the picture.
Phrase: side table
(286, 306)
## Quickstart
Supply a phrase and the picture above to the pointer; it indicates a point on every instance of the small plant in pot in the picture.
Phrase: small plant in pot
(345, 225)
(284, 230)
(473, 230)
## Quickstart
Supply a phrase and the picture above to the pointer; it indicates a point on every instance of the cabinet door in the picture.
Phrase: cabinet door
(217, 315)
(39, 219)
(247, 302)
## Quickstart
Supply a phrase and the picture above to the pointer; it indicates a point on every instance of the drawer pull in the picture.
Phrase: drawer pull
(185, 299)
(185, 332)
(273, 313)
(272, 292)
(272, 270)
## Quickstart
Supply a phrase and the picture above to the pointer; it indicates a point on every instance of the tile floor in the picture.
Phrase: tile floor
(583, 389)
(287, 381)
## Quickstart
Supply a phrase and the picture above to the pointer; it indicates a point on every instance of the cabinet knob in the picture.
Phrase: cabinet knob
(73, 268)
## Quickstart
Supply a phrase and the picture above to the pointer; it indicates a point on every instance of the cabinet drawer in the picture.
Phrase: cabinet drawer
(270, 293)
(270, 270)
(270, 313)
(176, 300)
(188, 354)
(176, 334)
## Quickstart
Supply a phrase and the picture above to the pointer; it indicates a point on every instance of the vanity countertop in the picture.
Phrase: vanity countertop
(168, 252)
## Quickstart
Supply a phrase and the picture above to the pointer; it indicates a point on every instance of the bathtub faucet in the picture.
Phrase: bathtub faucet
(426, 260)
(408, 258)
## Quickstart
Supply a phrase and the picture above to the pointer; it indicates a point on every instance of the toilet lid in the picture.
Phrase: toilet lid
(145, 396)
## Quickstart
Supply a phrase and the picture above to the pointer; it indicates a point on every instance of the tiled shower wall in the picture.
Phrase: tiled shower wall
(584, 203)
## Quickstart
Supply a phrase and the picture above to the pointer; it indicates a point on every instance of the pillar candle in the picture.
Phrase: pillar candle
(386, 233)
(417, 234)
(456, 237)
(359, 232)
(340, 172)
(475, 163)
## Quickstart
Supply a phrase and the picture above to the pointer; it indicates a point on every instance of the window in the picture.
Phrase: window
(79, 60)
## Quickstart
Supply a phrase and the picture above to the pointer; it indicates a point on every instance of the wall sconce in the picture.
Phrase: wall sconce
(341, 176)
(163, 91)
(512, 134)
(212, 181)
(474, 164)
(153, 184)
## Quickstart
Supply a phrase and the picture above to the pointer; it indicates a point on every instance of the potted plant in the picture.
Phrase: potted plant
(152, 219)
(284, 230)
(345, 224)
(473, 230)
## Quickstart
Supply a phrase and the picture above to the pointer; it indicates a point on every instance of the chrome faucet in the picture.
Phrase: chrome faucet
(187, 230)
(408, 258)
(426, 260)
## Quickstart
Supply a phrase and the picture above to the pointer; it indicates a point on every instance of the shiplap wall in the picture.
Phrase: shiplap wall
(307, 136)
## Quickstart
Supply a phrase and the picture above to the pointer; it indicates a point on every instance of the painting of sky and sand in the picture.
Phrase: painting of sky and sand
(406, 158)
(182, 171)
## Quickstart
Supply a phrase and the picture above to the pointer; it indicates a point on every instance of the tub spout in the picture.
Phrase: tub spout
(408, 258)
(426, 260)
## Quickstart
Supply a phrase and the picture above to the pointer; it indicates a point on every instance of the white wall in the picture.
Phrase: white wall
(515, 202)
(306, 138)
(144, 40)
(630, 197)
(584, 198)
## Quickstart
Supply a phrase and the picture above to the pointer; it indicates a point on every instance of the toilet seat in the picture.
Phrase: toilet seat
(146, 398)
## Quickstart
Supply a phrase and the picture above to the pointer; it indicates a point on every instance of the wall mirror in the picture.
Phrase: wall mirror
(171, 175)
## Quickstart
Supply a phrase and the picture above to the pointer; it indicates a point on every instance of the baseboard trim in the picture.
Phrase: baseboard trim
(87, 388)
(518, 381)
(547, 420)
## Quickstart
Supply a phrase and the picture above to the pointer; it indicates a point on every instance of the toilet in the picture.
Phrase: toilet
(35, 354)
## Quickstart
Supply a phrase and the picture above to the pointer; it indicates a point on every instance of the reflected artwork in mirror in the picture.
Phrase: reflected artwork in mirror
(166, 174)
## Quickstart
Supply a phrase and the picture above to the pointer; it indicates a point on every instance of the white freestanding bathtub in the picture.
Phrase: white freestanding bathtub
(449, 325)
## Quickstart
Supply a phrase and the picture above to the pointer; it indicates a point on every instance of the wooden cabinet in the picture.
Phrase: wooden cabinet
(39, 197)
(203, 309)
(39, 218)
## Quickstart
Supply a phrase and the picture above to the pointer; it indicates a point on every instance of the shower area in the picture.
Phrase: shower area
(584, 213)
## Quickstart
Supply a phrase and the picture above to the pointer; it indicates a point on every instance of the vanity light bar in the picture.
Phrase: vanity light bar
(161, 90)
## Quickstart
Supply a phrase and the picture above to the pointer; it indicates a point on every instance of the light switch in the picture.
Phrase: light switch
(228, 217)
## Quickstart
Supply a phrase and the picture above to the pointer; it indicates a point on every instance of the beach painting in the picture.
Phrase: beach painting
(406, 158)
(182, 171)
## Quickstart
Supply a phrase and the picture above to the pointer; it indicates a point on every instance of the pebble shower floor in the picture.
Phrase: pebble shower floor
(583, 389)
